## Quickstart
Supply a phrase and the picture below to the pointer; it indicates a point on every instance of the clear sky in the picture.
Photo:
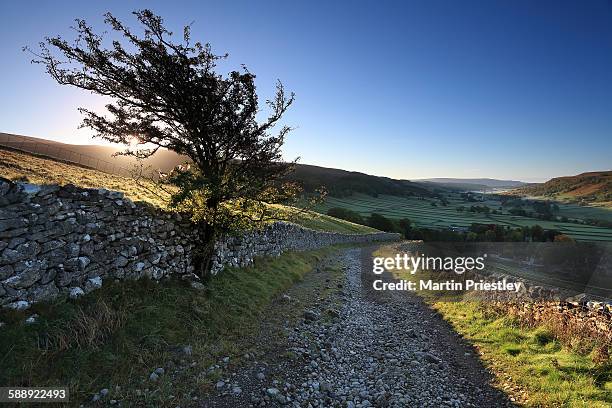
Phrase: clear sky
(408, 89)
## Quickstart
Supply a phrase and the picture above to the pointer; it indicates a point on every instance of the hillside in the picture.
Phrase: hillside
(101, 157)
(594, 187)
(16, 165)
(339, 183)
(472, 183)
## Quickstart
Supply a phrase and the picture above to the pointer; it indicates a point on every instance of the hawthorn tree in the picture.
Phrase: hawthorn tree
(166, 94)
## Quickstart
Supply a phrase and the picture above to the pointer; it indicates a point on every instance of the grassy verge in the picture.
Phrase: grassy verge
(529, 363)
(322, 222)
(120, 333)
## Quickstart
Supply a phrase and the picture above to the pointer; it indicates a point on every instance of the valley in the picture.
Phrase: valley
(452, 211)
(439, 204)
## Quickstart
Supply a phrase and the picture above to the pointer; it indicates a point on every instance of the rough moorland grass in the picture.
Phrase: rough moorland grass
(322, 222)
(35, 169)
(120, 333)
(529, 363)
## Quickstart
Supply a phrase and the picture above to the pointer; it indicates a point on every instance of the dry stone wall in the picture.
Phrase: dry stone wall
(67, 240)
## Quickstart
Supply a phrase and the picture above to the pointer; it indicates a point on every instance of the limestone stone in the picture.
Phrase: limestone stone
(56, 238)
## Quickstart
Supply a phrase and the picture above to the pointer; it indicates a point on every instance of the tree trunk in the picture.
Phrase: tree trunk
(202, 258)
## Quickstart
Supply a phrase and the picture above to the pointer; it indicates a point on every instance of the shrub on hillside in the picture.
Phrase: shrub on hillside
(405, 227)
(381, 222)
(346, 214)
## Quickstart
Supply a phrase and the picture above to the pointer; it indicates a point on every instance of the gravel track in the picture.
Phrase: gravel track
(357, 348)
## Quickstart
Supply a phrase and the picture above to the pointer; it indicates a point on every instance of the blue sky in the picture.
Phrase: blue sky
(411, 89)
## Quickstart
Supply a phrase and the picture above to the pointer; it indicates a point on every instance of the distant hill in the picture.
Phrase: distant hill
(89, 155)
(338, 183)
(592, 187)
(474, 183)
(341, 183)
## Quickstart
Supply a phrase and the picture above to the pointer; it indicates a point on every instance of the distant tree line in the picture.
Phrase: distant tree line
(374, 220)
(469, 197)
(475, 233)
(547, 211)
(598, 223)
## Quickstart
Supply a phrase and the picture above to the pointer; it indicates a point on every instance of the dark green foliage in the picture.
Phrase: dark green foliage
(500, 233)
(436, 235)
(599, 223)
(537, 233)
(405, 227)
(518, 211)
(544, 209)
(346, 214)
(381, 223)
(480, 209)
(469, 197)
(542, 337)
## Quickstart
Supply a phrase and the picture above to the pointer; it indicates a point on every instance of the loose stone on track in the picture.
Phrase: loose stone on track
(374, 350)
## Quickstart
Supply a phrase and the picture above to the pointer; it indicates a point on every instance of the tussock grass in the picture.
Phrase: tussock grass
(20, 166)
(121, 332)
(88, 326)
(573, 332)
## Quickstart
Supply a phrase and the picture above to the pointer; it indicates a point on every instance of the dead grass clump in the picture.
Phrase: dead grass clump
(580, 330)
(88, 327)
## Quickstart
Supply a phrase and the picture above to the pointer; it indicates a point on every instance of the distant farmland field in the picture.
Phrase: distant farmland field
(423, 214)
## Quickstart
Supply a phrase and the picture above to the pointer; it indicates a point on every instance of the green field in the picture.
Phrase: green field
(422, 214)
(581, 211)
